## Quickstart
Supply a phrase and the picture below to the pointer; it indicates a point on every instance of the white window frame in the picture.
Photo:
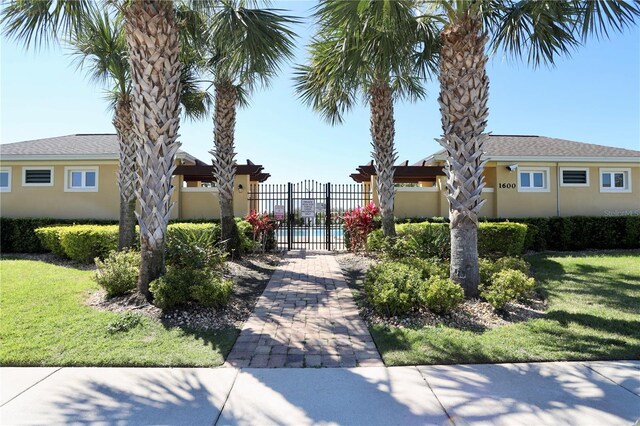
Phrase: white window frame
(24, 175)
(67, 178)
(574, 169)
(8, 171)
(627, 174)
(545, 176)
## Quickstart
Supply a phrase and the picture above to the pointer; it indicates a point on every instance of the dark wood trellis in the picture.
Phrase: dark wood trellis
(308, 214)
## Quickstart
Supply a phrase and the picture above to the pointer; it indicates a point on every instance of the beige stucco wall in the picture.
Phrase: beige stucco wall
(53, 201)
(416, 202)
(564, 200)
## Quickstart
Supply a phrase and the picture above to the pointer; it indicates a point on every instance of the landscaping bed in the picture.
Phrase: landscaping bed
(588, 311)
(53, 314)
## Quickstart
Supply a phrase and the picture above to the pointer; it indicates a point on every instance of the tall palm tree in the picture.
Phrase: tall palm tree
(539, 31)
(379, 50)
(100, 47)
(154, 63)
(244, 50)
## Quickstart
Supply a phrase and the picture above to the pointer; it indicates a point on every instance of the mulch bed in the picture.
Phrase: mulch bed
(474, 315)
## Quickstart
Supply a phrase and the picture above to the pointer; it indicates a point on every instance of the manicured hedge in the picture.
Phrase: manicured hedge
(494, 239)
(18, 235)
(571, 232)
(85, 242)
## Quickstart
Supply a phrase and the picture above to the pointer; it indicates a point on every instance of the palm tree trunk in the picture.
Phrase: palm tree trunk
(152, 38)
(464, 91)
(127, 173)
(224, 159)
(382, 133)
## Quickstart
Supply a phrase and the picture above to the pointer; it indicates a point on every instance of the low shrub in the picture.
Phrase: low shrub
(440, 295)
(489, 267)
(86, 242)
(50, 239)
(245, 232)
(432, 239)
(182, 285)
(214, 292)
(194, 246)
(358, 223)
(391, 287)
(17, 235)
(118, 273)
(506, 286)
(174, 287)
(501, 239)
(429, 267)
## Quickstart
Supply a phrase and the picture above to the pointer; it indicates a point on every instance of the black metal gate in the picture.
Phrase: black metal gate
(308, 214)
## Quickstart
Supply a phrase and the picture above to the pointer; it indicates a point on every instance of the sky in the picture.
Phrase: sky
(592, 96)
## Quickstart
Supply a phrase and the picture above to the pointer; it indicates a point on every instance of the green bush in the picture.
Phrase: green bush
(174, 287)
(86, 242)
(501, 239)
(440, 295)
(391, 287)
(506, 285)
(182, 285)
(17, 235)
(432, 239)
(215, 291)
(118, 273)
(245, 232)
(50, 239)
(194, 246)
(429, 267)
(488, 267)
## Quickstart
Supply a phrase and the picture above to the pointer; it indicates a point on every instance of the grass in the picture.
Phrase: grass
(593, 314)
(45, 322)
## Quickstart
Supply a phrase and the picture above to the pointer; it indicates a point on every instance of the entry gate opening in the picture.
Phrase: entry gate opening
(308, 214)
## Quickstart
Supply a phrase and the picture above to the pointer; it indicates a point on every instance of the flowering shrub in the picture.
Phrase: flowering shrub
(358, 224)
(262, 225)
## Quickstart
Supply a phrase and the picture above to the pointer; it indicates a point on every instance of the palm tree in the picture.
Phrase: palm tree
(100, 47)
(244, 50)
(540, 31)
(154, 64)
(379, 50)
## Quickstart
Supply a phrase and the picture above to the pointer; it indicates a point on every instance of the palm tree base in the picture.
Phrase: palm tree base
(127, 225)
(464, 258)
(152, 267)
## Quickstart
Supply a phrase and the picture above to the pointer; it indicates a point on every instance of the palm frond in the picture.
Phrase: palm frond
(597, 17)
(100, 48)
(249, 46)
(40, 22)
(538, 31)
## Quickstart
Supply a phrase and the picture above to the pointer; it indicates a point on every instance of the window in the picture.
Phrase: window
(615, 180)
(81, 179)
(5, 179)
(37, 176)
(574, 177)
(533, 180)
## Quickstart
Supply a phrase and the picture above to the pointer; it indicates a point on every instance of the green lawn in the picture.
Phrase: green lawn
(44, 322)
(593, 313)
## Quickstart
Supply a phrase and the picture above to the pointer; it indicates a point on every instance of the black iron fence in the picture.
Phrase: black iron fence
(307, 214)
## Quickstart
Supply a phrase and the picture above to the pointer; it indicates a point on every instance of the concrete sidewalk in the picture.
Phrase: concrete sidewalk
(581, 393)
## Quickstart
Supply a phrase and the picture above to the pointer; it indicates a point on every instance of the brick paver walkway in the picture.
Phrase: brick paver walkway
(306, 317)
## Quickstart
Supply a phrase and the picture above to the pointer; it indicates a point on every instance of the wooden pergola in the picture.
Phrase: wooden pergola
(403, 173)
(202, 172)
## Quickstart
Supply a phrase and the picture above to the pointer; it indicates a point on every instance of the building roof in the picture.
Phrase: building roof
(526, 147)
(98, 146)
